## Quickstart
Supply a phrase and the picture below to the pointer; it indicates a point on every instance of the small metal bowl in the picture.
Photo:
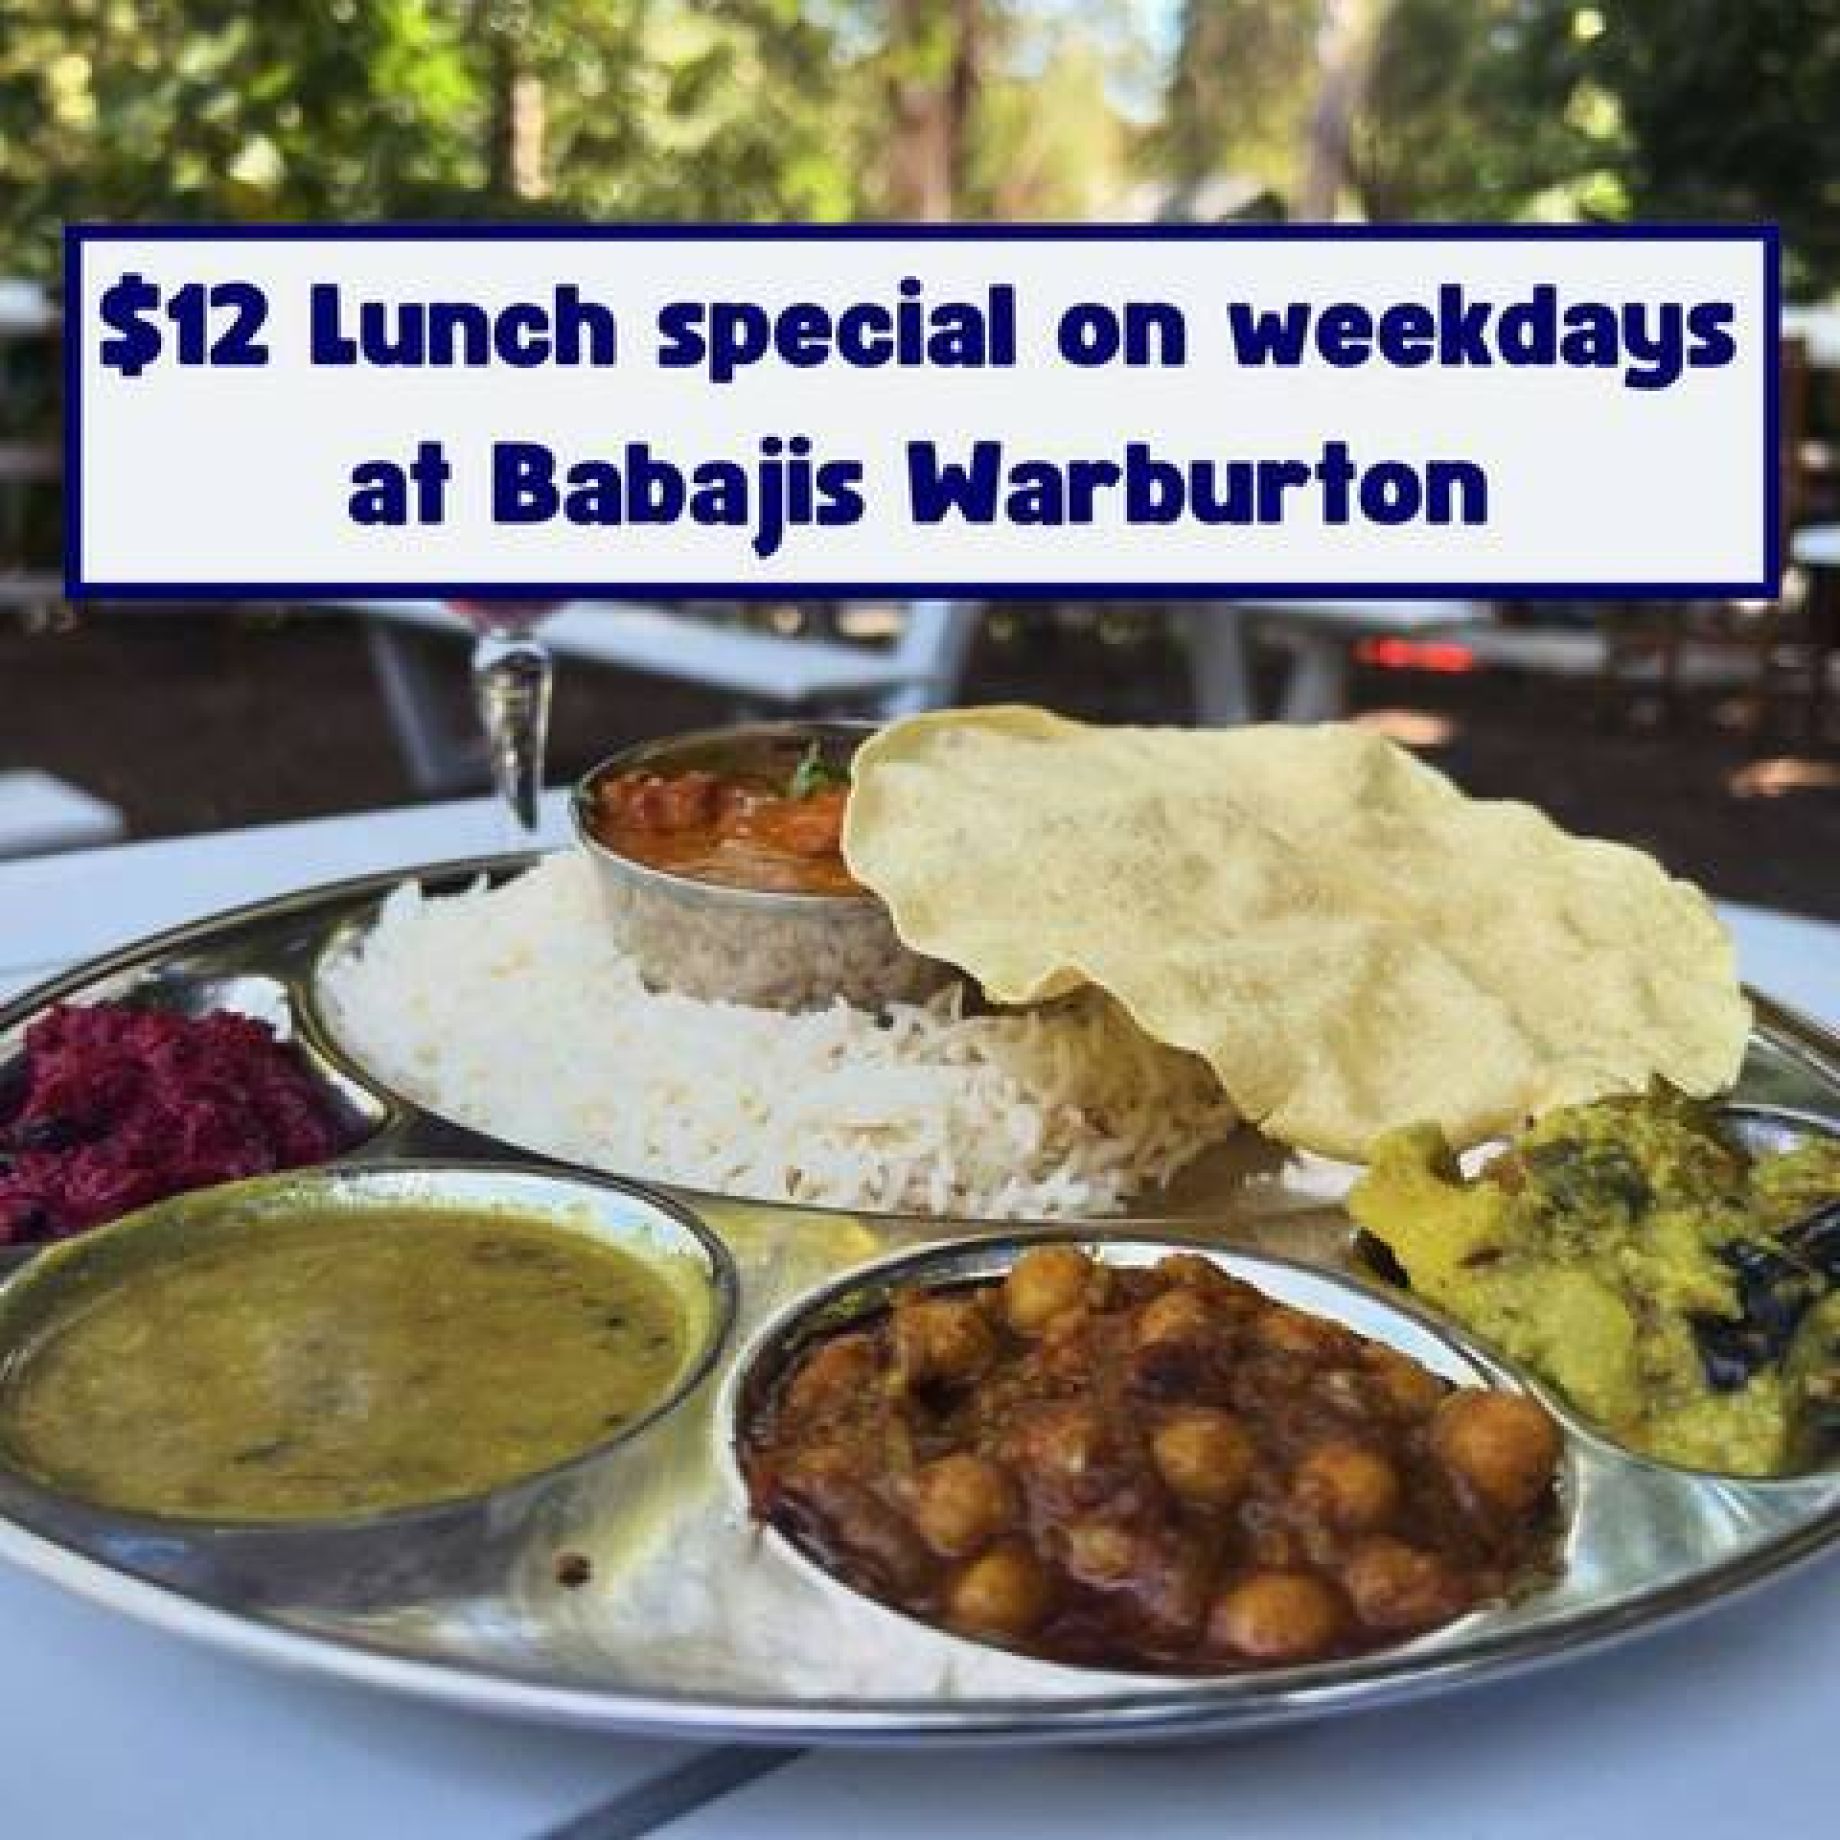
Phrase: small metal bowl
(856, 1297)
(744, 945)
(366, 1554)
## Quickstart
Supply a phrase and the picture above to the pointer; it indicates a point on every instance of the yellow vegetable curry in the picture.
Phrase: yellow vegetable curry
(1634, 1255)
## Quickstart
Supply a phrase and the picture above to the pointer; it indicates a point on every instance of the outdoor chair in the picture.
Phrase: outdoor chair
(1816, 551)
(1765, 647)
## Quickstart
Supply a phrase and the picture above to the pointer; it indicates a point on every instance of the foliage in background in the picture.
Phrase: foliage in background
(205, 109)
(1730, 111)
(1474, 111)
(673, 109)
(637, 109)
(1714, 110)
(1239, 86)
(1053, 136)
(196, 109)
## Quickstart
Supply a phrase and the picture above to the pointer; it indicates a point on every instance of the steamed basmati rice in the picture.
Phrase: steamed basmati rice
(511, 1010)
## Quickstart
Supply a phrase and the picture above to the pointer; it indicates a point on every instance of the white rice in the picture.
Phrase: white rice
(512, 1011)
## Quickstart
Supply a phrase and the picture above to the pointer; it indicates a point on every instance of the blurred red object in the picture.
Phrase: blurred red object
(1441, 655)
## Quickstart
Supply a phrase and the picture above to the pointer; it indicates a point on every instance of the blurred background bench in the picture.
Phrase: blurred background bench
(39, 814)
(762, 673)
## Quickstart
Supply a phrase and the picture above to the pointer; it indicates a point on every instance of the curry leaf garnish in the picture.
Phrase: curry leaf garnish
(813, 774)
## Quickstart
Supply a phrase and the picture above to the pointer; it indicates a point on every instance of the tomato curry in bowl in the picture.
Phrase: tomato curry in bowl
(735, 829)
(719, 860)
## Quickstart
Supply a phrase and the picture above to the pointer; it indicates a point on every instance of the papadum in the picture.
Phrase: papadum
(1350, 942)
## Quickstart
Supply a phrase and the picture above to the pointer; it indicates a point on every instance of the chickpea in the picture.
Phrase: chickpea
(1287, 1331)
(1194, 1272)
(1347, 1485)
(1099, 1552)
(1180, 1316)
(1204, 1455)
(1004, 1594)
(1044, 1283)
(833, 1374)
(1276, 1617)
(962, 1502)
(1174, 1343)
(1410, 1390)
(1396, 1587)
(942, 1339)
(1503, 1446)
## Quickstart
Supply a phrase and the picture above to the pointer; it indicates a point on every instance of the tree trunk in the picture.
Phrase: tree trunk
(514, 125)
(1194, 127)
(962, 96)
(1344, 53)
(933, 94)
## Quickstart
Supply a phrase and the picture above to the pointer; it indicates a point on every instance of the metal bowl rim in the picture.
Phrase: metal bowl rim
(967, 1261)
(1116, 1718)
(689, 887)
(720, 1277)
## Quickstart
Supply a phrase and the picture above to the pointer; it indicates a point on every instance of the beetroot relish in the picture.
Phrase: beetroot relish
(125, 1106)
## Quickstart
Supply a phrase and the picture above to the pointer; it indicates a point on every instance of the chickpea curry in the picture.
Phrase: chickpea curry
(738, 830)
(1157, 1468)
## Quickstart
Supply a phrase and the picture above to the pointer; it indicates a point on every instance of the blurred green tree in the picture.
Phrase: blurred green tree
(1480, 109)
(637, 109)
(1503, 109)
(674, 109)
(1725, 112)
(212, 109)
(1051, 142)
(1239, 92)
(215, 109)
(209, 108)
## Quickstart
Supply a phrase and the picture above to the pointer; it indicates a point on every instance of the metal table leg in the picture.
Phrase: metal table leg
(1316, 685)
(437, 758)
(1218, 665)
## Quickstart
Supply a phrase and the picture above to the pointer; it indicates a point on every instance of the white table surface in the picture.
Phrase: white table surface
(1729, 1726)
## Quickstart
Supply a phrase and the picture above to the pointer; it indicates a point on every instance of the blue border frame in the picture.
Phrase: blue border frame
(77, 235)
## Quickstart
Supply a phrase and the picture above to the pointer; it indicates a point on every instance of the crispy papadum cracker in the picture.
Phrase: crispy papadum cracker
(1351, 943)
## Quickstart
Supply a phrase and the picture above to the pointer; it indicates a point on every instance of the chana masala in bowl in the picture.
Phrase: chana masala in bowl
(1149, 1467)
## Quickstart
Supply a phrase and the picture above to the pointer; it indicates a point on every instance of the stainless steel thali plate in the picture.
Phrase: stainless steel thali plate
(693, 1621)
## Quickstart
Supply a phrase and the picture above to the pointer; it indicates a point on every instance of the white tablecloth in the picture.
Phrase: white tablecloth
(1729, 1726)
